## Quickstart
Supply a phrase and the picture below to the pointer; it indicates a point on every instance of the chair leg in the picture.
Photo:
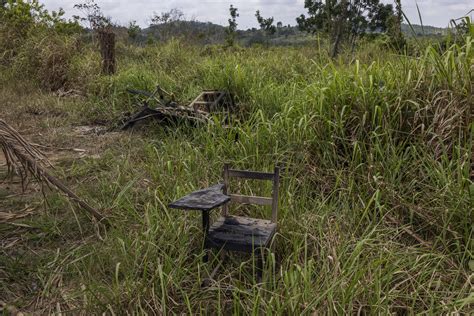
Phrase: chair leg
(205, 259)
(259, 263)
(216, 269)
(207, 281)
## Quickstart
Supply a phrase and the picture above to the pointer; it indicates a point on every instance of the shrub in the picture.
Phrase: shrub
(37, 43)
(45, 58)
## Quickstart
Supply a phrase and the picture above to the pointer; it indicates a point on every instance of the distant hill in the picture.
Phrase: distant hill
(210, 33)
(425, 30)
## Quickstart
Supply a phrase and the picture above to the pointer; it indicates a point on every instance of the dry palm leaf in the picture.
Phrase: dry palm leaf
(11, 216)
(24, 159)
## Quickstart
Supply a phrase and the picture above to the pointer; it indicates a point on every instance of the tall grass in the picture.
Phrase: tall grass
(382, 137)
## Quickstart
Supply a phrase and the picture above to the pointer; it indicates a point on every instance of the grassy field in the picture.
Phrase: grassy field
(376, 200)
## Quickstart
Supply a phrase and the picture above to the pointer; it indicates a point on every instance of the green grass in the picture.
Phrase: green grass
(359, 139)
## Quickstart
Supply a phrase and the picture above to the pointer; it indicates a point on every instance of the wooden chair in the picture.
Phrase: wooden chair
(236, 233)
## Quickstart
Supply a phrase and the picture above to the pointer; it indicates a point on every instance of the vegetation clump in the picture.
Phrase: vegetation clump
(37, 43)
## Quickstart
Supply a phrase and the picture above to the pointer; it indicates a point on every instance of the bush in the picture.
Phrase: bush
(45, 58)
(37, 43)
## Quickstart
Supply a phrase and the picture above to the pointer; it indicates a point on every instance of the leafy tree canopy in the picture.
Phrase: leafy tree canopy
(265, 24)
(21, 16)
(358, 16)
(232, 28)
(174, 15)
(93, 15)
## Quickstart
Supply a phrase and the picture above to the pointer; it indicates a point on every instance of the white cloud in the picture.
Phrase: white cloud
(434, 12)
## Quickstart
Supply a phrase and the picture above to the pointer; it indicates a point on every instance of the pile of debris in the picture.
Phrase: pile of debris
(161, 105)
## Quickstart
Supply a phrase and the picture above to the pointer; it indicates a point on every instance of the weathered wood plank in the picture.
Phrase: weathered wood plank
(240, 233)
(196, 102)
(276, 188)
(204, 200)
(225, 189)
(210, 91)
(247, 199)
(252, 229)
(219, 98)
(240, 220)
(250, 175)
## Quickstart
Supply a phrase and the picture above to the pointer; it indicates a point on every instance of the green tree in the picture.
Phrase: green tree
(265, 24)
(133, 30)
(22, 15)
(231, 30)
(19, 17)
(344, 19)
(93, 15)
(171, 16)
(394, 28)
(167, 23)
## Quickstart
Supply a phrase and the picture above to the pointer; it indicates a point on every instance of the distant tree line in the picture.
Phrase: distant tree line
(342, 22)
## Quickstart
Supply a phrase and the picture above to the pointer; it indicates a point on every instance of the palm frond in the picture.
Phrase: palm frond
(25, 159)
(16, 149)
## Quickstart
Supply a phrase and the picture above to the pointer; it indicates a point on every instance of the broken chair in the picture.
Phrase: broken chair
(235, 233)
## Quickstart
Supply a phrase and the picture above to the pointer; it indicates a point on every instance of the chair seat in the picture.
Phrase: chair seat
(240, 233)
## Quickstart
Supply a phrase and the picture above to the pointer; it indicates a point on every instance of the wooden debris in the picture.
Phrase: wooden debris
(212, 100)
(168, 111)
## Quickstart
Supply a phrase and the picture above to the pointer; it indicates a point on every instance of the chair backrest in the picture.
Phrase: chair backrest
(257, 200)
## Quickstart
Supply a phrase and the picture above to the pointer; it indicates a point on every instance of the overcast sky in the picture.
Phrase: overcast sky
(434, 12)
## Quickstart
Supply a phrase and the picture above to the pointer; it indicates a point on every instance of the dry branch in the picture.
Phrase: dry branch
(24, 159)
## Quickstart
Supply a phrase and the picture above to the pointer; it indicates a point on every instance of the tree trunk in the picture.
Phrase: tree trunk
(340, 25)
(337, 42)
(107, 50)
